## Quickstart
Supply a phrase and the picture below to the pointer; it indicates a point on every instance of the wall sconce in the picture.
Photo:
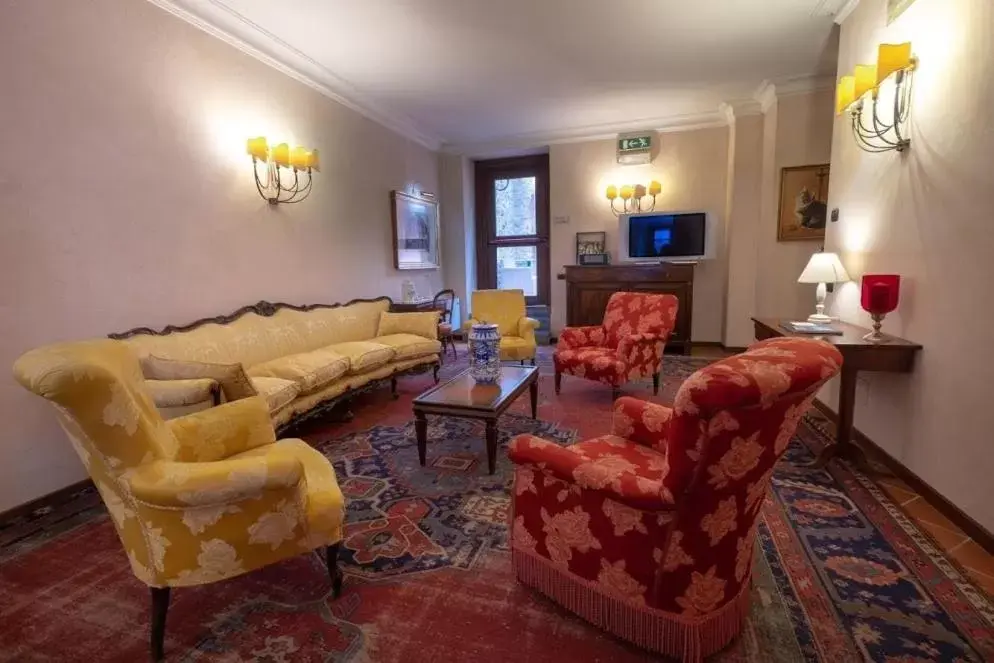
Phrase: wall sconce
(276, 184)
(874, 134)
(632, 197)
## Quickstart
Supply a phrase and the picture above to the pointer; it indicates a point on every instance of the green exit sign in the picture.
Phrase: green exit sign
(635, 143)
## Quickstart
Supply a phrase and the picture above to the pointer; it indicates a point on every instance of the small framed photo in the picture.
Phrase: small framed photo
(803, 203)
(415, 231)
(590, 243)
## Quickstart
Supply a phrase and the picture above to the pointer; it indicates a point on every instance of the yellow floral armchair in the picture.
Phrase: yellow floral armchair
(196, 499)
(506, 309)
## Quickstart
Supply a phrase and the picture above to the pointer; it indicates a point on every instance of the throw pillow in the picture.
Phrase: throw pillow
(420, 324)
(234, 382)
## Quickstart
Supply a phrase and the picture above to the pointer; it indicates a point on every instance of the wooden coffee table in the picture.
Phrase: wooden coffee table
(462, 397)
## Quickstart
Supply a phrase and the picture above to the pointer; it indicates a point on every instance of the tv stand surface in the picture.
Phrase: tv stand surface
(589, 287)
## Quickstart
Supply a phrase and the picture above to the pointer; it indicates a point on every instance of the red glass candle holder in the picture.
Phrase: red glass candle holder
(879, 296)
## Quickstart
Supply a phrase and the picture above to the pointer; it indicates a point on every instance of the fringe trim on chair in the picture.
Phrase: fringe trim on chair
(671, 634)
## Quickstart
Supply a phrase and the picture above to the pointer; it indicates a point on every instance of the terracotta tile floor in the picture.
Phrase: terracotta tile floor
(977, 561)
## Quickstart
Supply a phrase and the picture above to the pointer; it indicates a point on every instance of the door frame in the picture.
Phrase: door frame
(486, 226)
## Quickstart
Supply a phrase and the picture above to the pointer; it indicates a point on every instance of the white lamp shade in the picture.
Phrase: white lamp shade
(824, 268)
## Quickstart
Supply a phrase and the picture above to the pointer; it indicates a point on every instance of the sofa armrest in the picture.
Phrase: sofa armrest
(180, 393)
(170, 484)
(466, 326)
(222, 431)
(641, 422)
(568, 466)
(579, 337)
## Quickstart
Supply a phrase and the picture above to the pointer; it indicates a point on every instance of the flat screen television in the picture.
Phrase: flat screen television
(657, 236)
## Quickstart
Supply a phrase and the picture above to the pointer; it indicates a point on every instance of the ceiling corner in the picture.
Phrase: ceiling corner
(223, 23)
(843, 13)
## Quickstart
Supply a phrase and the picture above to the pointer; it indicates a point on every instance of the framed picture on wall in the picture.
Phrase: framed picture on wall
(803, 203)
(415, 231)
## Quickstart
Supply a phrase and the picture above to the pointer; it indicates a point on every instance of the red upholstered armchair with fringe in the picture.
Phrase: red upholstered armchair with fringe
(627, 346)
(649, 532)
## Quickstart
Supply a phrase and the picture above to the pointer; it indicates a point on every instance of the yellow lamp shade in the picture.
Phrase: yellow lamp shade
(639, 190)
(626, 192)
(281, 155)
(654, 188)
(845, 94)
(313, 162)
(298, 158)
(891, 58)
(258, 148)
(866, 79)
(612, 192)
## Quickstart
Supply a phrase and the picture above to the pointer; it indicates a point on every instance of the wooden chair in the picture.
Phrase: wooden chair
(443, 302)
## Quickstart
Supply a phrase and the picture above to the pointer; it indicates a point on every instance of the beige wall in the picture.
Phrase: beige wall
(927, 215)
(802, 135)
(127, 196)
(692, 167)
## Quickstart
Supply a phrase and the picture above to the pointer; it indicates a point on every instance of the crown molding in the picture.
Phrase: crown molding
(534, 140)
(732, 110)
(847, 9)
(221, 22)
(788, 87)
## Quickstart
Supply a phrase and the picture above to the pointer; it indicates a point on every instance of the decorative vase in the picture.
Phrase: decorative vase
(484, 353)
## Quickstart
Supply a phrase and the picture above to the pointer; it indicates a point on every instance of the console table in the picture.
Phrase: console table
(589, 287)
(897, 355)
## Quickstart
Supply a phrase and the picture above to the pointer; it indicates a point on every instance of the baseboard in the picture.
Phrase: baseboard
(50, 499)
(970, 527)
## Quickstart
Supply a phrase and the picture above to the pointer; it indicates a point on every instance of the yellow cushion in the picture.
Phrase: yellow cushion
(364, 355)
(409, 346)
(513, 348)
(234, 383)
(424, 324)
(277, 391)
(177, 393)
(310, 370)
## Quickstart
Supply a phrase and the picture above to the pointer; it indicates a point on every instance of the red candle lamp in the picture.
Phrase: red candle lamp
(879, 297)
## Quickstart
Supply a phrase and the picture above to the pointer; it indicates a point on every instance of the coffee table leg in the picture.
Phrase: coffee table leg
(492, 445)
(533, 392)
(421, 428)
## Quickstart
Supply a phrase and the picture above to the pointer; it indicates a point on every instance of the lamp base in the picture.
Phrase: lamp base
(820, 318)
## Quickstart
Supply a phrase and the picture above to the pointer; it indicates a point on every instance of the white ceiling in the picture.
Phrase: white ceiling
(469, 72)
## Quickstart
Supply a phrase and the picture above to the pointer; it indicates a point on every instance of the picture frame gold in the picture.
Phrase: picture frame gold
(803, 210)
(415, 231)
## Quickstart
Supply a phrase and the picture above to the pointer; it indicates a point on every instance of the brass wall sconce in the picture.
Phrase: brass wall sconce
(633, 197)
(876, 133)
(284, 170)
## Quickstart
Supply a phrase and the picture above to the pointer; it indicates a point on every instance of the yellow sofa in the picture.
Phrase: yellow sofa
(194, 500)
(506, 309)
(297, 358)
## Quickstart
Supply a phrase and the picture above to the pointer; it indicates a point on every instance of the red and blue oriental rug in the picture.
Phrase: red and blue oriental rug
(843, 575)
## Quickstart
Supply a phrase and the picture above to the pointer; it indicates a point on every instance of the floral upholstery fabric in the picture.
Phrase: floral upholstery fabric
(506, 309)
(649, 532)
(408, 346)
(277, 391)
(422, 323)
(627, 346)
(309, 370)
(364, 355)
(196, 499)
(177, 393)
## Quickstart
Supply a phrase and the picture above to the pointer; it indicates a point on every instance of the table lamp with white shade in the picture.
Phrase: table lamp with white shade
(823, 268)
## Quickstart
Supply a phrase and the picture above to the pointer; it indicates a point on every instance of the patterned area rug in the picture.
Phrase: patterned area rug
(843, 574)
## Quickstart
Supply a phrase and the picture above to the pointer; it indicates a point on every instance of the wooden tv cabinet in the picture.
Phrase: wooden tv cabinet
(589, 287)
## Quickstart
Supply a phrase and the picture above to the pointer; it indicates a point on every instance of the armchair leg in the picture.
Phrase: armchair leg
(393, 387)
(335, 573)
(441, 357)
(559, 381)
(655, 384)
(522, 362)
(160, 605)
(615, 393)
(452, 344)
(533, 361)
(434, 371)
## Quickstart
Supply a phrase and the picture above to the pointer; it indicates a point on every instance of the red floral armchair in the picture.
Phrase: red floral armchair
(649, 532)
(628, 345)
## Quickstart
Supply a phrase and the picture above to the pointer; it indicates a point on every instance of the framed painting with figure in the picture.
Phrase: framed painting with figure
(415, 231)
(803, 203)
